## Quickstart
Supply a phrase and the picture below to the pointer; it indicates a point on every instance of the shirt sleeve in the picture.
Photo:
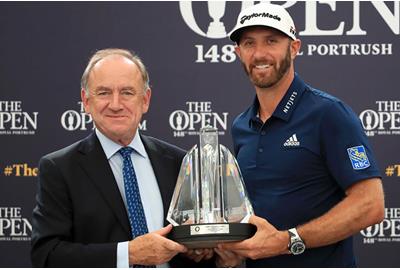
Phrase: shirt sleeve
(345, 146)
(122, 255)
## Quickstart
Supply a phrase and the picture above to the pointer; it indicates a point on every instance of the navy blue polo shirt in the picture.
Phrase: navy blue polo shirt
(298, 164)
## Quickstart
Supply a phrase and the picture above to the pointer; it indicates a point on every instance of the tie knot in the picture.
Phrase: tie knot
(126, 151)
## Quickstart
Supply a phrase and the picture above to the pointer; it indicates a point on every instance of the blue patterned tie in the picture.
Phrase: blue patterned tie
(137, 218)
(136, 215)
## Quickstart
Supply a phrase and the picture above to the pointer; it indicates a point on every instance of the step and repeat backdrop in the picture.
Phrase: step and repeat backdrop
(349, 49)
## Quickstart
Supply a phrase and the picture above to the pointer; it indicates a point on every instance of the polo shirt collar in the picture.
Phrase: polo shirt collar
(290, 100)
(288, 103)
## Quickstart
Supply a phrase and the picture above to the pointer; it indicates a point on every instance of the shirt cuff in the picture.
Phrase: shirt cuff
(123, 255)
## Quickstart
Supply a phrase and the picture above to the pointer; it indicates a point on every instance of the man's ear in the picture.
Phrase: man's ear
(295, 48)
(237, 51)
(146, 100)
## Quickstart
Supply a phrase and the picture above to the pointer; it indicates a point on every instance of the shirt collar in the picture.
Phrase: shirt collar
(110, 147)
(286, 106)
(290, 100)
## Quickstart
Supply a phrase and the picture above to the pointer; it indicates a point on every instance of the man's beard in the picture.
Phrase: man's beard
(266, 82)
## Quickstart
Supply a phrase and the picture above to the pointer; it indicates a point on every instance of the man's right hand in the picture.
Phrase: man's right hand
(154, 248)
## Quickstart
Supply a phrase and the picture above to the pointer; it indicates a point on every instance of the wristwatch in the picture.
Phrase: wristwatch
(296, 245)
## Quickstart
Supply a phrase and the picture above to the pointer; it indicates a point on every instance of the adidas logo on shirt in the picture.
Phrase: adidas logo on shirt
(292, 141)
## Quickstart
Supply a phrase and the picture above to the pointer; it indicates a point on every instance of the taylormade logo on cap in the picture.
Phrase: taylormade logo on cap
(255, 15)
(269, 15)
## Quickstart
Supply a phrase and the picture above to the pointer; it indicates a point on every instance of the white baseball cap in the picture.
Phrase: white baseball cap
(270, 15)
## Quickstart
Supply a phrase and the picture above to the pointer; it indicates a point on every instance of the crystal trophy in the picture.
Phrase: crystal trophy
(210, 203)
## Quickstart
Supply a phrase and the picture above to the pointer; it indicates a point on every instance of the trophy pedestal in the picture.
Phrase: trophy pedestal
(208, 235)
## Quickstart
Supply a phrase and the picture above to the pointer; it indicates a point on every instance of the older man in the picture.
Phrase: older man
(102, 201)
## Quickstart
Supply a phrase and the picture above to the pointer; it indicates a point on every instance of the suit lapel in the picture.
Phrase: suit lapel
(94, 162)
(162, 171)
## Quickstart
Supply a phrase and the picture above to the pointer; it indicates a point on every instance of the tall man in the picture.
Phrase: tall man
(306, 162)
(102, 201)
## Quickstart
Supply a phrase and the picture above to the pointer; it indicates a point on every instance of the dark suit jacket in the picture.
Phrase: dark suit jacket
(80, 215)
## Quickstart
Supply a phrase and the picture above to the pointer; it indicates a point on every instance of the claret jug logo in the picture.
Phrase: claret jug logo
(72, 120)
(384, 120)
(216, 29)
(14, 121)
(216, 10)
(198, 115)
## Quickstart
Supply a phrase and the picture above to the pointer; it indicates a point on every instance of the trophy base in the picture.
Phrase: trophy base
(208, 235)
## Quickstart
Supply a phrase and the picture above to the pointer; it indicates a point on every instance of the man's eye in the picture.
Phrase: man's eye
(127, 93)
(248, 43)
(103, 93)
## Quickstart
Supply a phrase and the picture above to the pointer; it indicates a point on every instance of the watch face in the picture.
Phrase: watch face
(297, 248)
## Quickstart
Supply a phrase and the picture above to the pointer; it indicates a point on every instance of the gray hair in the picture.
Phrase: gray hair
(101, 54)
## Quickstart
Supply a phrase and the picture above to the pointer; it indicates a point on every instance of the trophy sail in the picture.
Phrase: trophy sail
(185, 204)
(210, 177)
(210, 203)
(237, 204)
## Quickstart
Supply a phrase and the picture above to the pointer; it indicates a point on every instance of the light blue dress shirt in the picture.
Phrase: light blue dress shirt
(148, 187)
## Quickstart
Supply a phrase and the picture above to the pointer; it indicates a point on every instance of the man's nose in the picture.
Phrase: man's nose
(115, 102)
(260, 51)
